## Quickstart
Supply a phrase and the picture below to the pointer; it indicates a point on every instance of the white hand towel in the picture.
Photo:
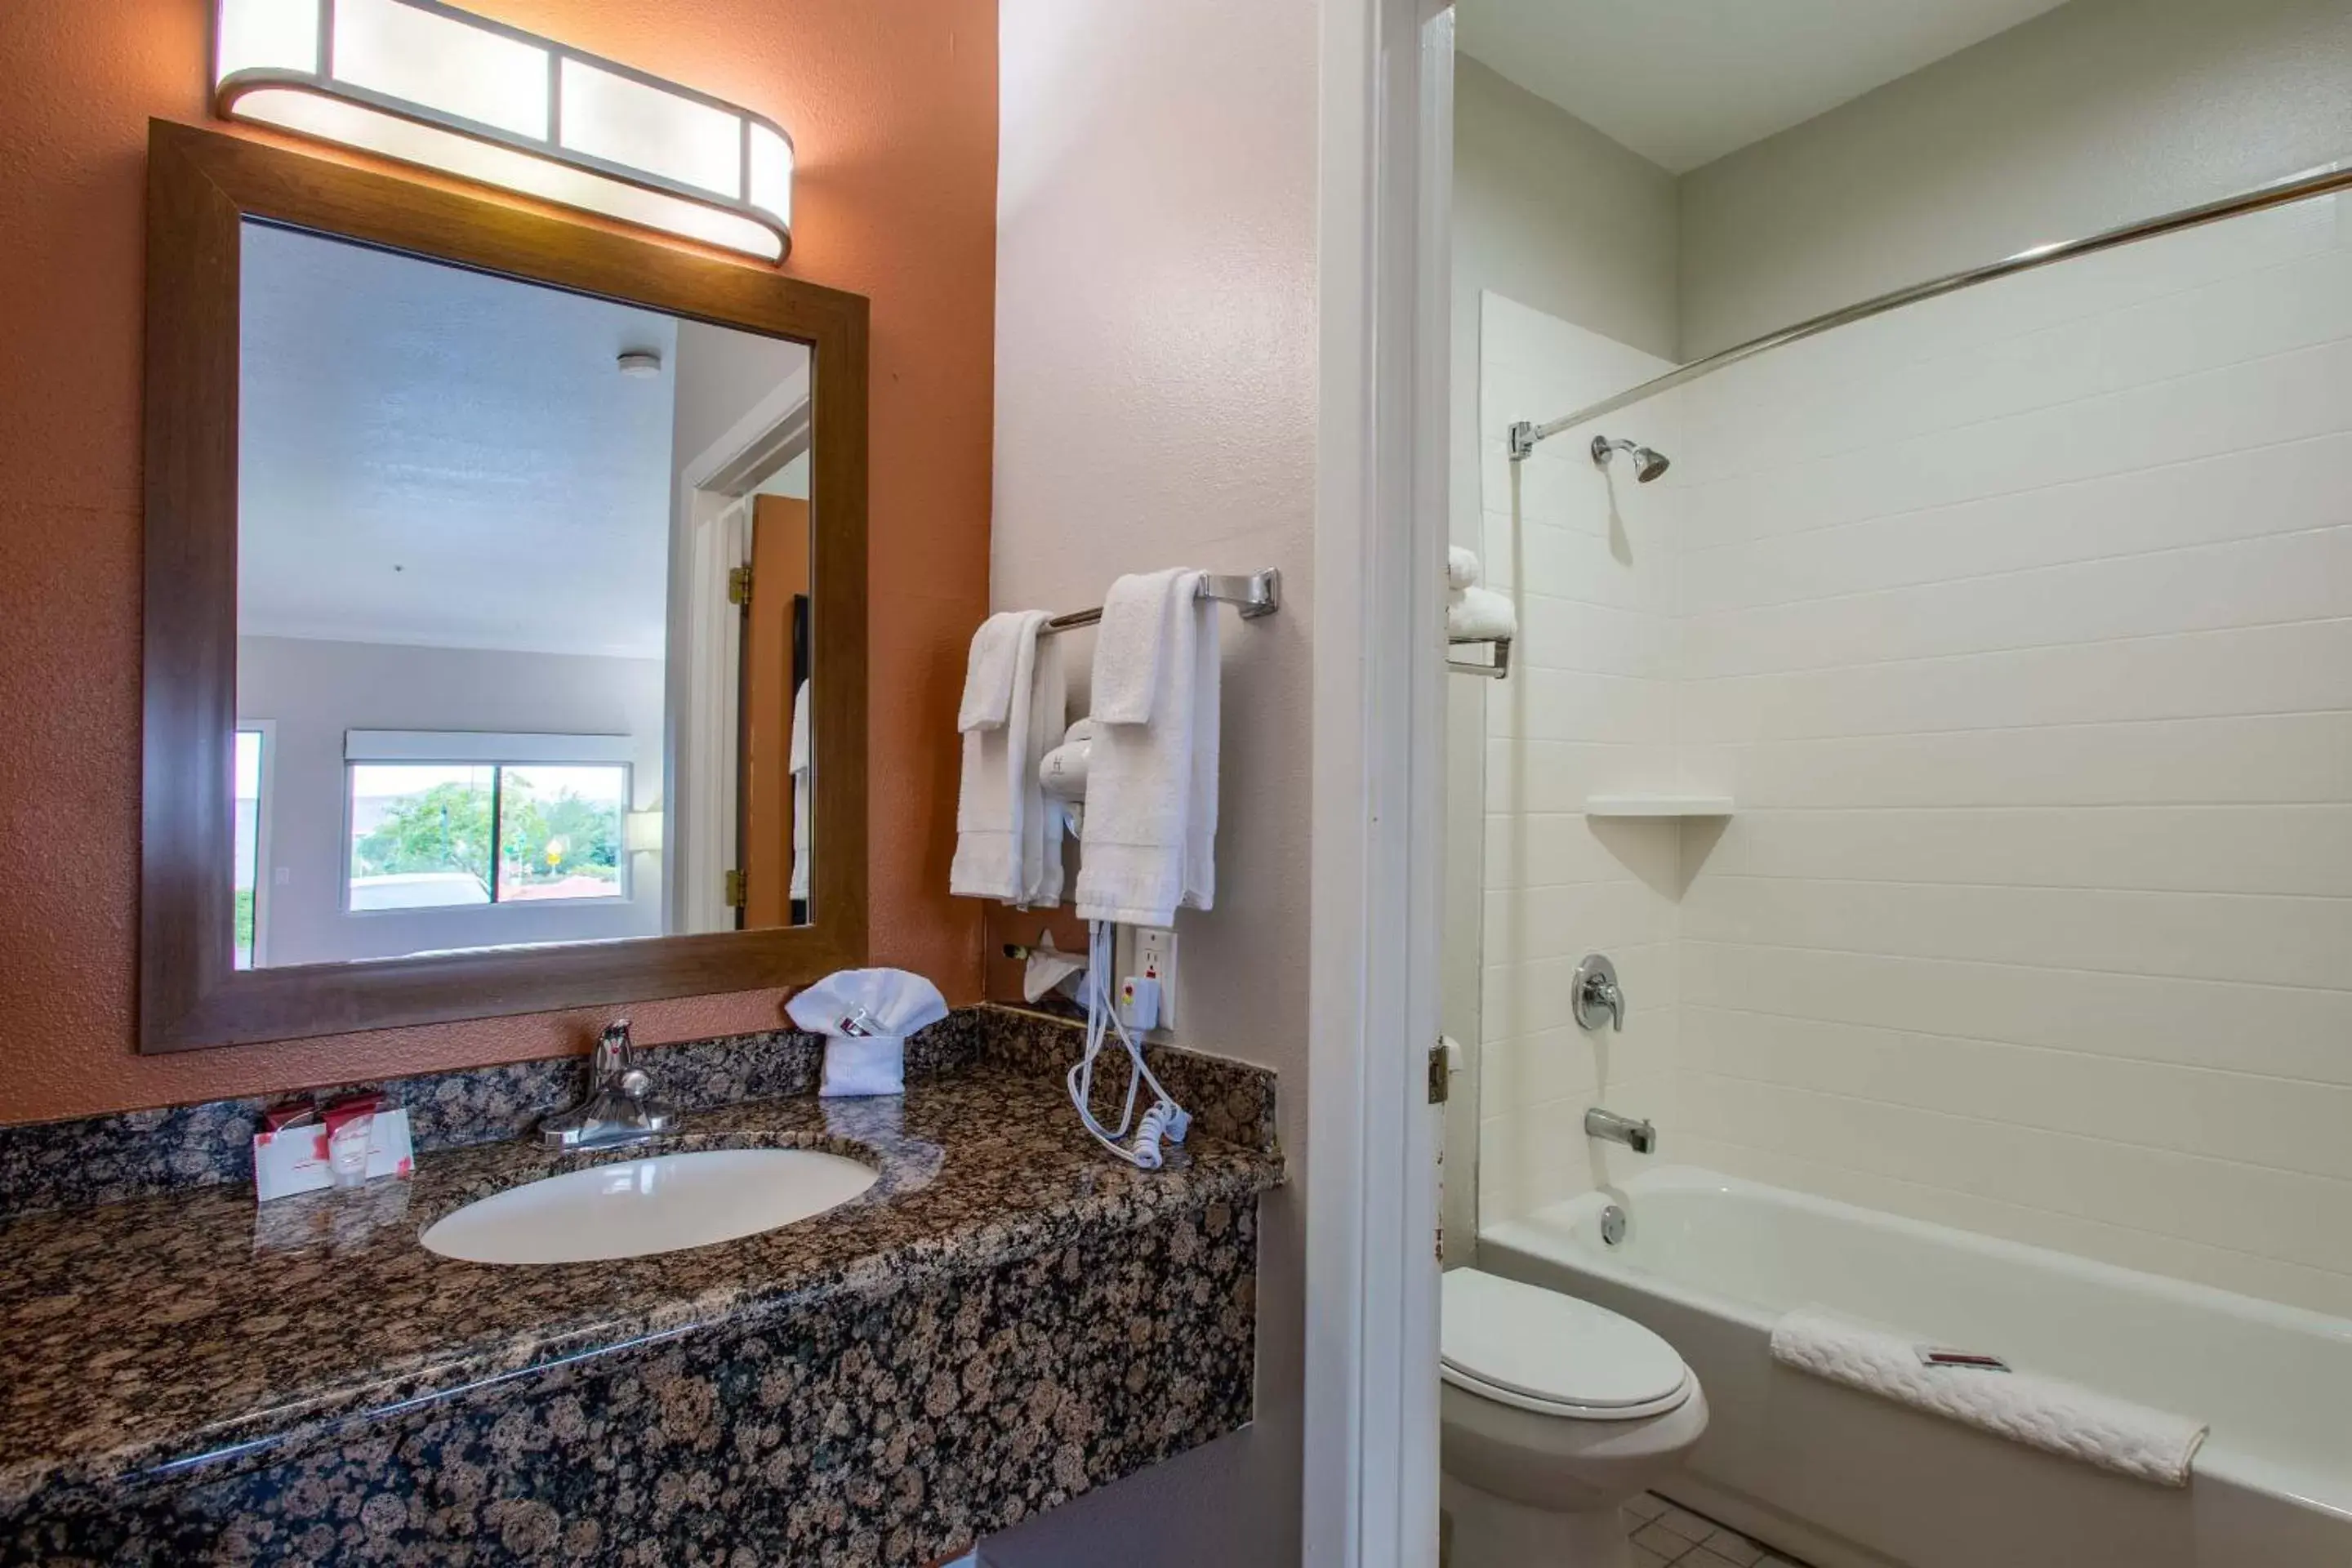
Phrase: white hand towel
(1148, 845)
(999, 793)
(1480, 613)
(1461, 568)
(802, 758)
(866, 1016)
(1133, 640)
(989, 672)
(2040, 1412)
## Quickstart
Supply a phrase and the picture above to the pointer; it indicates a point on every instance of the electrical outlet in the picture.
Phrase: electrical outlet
(1155, 959)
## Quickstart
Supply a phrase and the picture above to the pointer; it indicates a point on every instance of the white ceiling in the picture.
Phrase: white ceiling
(1683, 82)
(431, 456)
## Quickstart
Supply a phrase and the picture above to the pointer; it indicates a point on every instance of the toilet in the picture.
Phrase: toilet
(1553, 1413)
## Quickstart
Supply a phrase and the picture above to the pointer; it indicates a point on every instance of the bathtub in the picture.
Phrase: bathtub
(1850, 1481)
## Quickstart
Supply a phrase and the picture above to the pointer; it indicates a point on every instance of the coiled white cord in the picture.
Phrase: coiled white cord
(1165, 1121)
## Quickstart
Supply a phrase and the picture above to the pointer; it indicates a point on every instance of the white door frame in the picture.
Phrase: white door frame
(710, 535)
(1370, 1478)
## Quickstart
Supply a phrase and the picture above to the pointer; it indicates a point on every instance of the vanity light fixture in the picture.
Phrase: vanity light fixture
(424, 83)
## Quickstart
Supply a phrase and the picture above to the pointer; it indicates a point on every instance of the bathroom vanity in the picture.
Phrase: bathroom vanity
(1005, 1320)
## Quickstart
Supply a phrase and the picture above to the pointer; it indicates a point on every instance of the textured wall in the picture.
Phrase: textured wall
(892, 106)
(1156, 399)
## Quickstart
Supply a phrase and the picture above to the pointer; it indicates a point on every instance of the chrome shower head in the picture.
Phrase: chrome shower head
(1648, 464)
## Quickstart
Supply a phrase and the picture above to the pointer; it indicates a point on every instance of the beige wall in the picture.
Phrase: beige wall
(2094, 114)
(1548, 213)
(1156, 407)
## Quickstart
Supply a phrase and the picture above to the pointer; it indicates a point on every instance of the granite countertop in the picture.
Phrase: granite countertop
(147, 1337)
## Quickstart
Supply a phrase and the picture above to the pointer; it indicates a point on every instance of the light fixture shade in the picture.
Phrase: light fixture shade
(427, 84)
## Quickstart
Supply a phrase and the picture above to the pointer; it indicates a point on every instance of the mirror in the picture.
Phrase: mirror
(505, 608)
(523, 613)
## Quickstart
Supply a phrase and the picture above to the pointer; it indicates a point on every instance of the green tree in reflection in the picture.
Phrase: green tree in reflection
(444, 828)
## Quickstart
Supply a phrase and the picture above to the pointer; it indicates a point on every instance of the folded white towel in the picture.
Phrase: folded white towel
(1461, 568)
(1148, 845)
(989, 670)
(1001, 832)
(866, 1016)
(1480, 613)
(1132, 643)
(801, 760)
(2040, 1412)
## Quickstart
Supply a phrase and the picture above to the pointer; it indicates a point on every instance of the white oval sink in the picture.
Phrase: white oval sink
(636, 1207)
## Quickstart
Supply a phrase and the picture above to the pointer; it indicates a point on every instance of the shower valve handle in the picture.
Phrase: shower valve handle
(1597, 992)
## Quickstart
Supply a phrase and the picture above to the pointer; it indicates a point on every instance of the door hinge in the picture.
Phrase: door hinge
(1437, 1078)
(738, 586)
(735, 880)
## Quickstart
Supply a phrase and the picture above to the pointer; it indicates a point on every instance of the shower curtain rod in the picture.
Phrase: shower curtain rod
(2302, 187)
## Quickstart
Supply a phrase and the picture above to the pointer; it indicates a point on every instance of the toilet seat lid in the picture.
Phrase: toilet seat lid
(1552, 1349)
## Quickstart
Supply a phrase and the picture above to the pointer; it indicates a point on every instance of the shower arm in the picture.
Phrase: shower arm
(1525, 433)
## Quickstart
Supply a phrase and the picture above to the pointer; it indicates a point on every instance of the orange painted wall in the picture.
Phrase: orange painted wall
(892, 107)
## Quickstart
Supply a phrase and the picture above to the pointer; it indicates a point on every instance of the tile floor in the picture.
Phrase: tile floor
(1663, 1534)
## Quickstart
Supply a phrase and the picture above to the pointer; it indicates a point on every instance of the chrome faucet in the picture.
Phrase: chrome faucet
(1639, 1136)
(621, 1107)
(1596, 993)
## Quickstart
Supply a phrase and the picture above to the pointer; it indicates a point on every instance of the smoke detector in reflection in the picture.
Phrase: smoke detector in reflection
(640, 363)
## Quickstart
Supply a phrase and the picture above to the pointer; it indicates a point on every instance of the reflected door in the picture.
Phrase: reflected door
(775, 794)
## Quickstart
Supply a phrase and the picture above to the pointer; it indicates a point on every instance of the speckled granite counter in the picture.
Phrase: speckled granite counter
(1007, 1318)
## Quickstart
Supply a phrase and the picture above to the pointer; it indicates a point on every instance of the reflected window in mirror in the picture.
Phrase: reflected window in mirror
(524, 590)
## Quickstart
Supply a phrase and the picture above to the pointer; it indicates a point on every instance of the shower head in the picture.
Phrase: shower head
(1648, 464)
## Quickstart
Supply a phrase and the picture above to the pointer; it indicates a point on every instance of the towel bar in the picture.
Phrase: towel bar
(1496, 670)
(1257, 593)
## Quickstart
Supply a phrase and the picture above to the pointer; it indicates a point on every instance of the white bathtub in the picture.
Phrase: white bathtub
(1854, 1481)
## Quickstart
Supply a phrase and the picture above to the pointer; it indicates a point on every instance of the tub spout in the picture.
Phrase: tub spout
(1639, 1136)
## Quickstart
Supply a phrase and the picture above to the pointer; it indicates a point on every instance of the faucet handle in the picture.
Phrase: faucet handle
(1596, 992)
(614, 1055)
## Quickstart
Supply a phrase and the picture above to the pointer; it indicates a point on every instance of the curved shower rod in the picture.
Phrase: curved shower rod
(1525, 433)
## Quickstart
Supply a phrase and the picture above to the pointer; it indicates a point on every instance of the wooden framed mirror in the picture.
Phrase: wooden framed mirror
(505, 614)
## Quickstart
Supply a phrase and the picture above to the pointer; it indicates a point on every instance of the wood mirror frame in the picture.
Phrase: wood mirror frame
(201, 187)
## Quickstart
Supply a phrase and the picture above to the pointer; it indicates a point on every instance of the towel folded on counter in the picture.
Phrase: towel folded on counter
(1149, 843)
(2043, 1413)
(1480, 615)
(866, 1016)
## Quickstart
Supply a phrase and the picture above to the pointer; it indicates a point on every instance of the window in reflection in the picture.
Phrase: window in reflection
(439, 835)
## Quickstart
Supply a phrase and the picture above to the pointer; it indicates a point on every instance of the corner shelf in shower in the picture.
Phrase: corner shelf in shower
(1658, 805)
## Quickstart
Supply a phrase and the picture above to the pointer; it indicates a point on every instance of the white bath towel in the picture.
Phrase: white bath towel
(1148, 845)
(1480, 613)
(2042, 1412)
(800, 760)
(1461, 568)
(1002, 826)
